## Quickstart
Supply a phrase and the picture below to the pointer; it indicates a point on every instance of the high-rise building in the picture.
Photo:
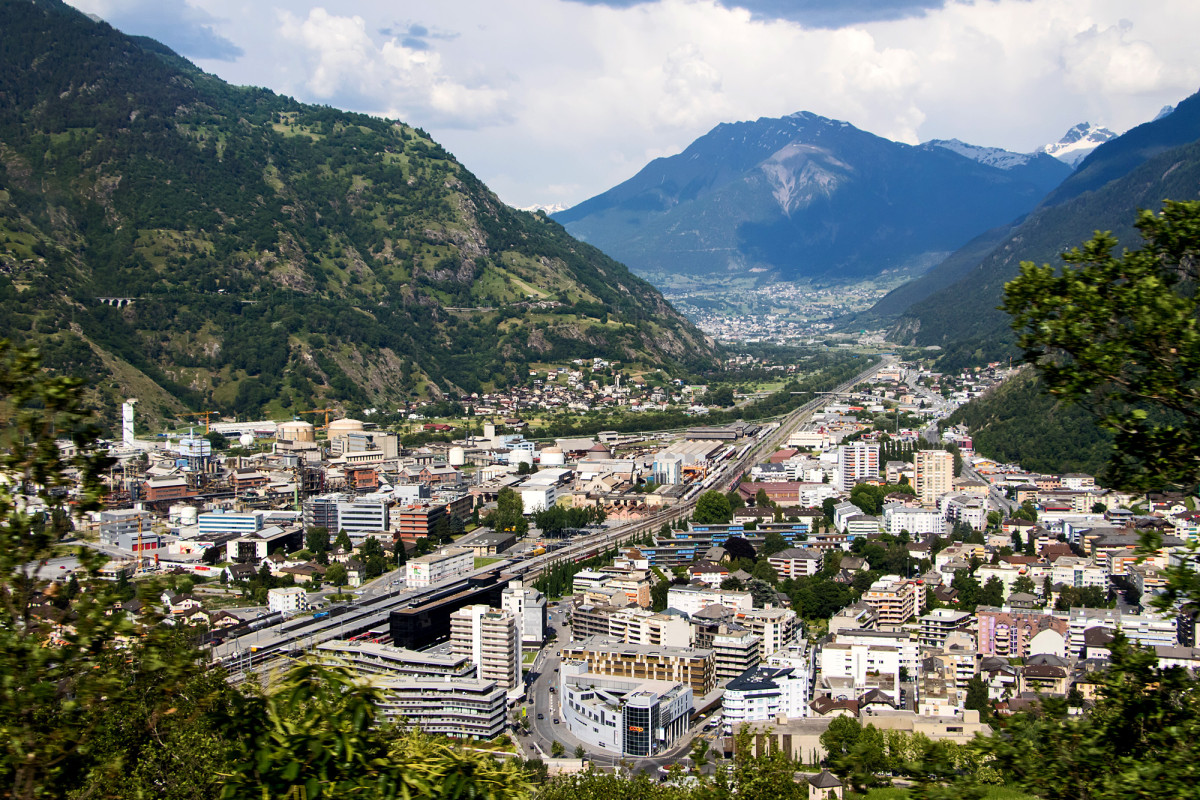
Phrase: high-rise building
(934, 475)
(491, 638)
(528, 605)
(856, 463)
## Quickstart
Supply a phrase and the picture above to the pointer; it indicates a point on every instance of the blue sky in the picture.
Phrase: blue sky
(553, 101)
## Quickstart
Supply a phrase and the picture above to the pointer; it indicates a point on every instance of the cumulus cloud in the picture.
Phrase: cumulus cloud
(552, 101)
(184, 28)
(811, 13)
(401, 76)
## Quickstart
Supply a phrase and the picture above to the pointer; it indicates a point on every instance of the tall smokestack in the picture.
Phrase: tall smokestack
(127, 421)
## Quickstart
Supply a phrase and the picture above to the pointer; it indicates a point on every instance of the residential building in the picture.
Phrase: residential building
(492, 640)
(934, 471)
(896, 599)
(937, 625)
(451, 562)
(797, 562)
(765, 693)
(690, 599)
(372, 658)
(734, 653)
(287, 600)
(776, 628)
(857, 462)
(693, 667)
(1007, 632)
(922, 523)
(455, 707)
(528, 606)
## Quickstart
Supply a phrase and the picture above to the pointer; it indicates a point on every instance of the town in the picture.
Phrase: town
(640, 599)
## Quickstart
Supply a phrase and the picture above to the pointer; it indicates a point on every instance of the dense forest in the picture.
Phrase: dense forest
(1019, 422)
(273, 255)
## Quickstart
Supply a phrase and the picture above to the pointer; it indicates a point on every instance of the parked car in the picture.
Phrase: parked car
(541, 716)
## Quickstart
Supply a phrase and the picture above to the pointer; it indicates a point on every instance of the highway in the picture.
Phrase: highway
(257, 650)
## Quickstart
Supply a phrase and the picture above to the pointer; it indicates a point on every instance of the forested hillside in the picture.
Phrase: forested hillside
(270, 254)
(1019, 422)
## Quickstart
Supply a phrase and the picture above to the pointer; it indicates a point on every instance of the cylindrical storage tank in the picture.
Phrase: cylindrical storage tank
(489, 430)
(188, 515)
(553, 457)
(520, 457)
(457, 456)
(340, 427)
(296, 431)
(175, 513)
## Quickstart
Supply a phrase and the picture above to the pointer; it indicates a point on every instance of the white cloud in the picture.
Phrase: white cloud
(552, 101)
(343, 62)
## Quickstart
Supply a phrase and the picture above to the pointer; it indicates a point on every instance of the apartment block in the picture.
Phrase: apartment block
(491, 639)
(692, 667)
(896, 599)
(934, 471)
(857, 462)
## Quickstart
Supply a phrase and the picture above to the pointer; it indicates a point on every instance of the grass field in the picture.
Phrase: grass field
(483, 561)
(890, 793)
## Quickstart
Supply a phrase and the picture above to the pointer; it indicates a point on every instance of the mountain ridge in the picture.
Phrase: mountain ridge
(804, 196)
(277, 255)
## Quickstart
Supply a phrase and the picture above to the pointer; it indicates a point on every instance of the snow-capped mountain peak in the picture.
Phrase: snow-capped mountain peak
(1075, 145)
(549, 208)
(991, 156)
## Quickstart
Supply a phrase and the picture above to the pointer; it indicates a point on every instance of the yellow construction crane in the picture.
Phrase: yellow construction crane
(325, 411)
(208, 415)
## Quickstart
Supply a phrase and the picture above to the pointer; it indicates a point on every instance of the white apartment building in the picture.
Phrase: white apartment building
(287, 599)
(934, 470)
(937, 625)
(904, 644)
(1078, 572)
(690, 599)
(461, 708)
(765, 693)
(857, 462)
(1147, 630)
(797, 562)
(451, 562)
(922, 523)
(491, 639)
(528, 606)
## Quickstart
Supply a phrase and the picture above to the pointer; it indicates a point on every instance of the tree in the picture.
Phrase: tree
(336, 575)
(557, 750)
(712, 508)
(1103, 755)
(1119, 336)
(343, 541)
(699, 753)
(977, 697)
(316, 539)
(579, 751)
(738, 548)
(1023, 584)
(761, 500)
(774, 543)
(735, 499)
(509, 514)
(374, 561)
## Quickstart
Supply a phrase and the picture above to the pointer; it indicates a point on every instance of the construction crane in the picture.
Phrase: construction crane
(325, 411)
(208, 415)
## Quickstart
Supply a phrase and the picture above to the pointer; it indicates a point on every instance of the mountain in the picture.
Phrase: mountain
(1077, 143)
(990, 156)
(166, 235)
(1138, 170)
(804, 197)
